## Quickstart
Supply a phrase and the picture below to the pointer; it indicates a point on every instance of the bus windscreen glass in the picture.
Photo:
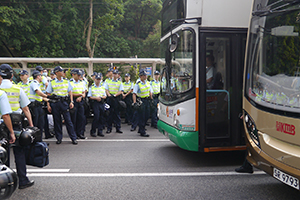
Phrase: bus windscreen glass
(273, 81)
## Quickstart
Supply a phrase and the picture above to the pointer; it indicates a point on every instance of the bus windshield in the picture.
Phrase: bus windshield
(273, 81)
(179, 79)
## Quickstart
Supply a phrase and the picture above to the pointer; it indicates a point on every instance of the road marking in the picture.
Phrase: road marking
(175, 174)
(116, 140)
(46, 170)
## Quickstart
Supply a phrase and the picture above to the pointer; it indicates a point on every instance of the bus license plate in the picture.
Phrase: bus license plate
(286, 178)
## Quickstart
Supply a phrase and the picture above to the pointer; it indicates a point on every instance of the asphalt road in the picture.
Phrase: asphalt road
(127, 166)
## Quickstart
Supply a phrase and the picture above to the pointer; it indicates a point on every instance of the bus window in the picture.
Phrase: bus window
(217, 97)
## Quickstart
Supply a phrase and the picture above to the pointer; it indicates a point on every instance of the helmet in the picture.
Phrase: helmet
(122, 105)
(3, 155)
(26, 137)
(8, 181)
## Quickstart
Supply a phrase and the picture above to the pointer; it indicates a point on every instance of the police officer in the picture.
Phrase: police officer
(143, 90)
(97, 95)
(36, 96)
(52, 75)
(155, 84)
(127, 96)
(18, 102)
(44, 82)
(62, 90)
(78, 117)
(114, 89)
(24, 83)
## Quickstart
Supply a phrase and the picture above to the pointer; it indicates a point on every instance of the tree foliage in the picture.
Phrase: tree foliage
(56, 28)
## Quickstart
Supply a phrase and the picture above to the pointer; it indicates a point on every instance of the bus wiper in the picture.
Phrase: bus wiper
(262, 13)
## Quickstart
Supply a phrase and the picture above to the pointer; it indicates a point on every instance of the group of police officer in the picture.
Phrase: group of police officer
(63, 97)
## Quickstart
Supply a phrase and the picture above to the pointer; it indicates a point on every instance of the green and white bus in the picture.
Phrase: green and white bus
(203, 45)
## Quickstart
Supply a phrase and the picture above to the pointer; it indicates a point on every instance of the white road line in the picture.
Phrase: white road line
(116, 140)
(175, 174)
(46, 170)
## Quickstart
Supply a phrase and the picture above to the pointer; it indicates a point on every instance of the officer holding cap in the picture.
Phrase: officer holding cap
(97, 95)
(114, 89)
(143, 90)
(62, 90)
(19, 102)
(78, 117)
(127, 96)
(155, 84)
(24, 83)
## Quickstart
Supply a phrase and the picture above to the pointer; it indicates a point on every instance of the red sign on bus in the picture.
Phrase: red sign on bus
(285, 128)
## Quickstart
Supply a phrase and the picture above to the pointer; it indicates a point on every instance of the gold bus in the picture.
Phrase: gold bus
(271, 102)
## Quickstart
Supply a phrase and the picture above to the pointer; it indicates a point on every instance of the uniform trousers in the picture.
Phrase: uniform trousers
(114, 114)
(143, 115)
(78, 118)
(129, 110)
(58, 108)
(20, 160)
(99, 120)
(154, 117)
(38, 117)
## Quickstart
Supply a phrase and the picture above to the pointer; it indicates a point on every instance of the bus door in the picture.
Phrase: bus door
(217, 67)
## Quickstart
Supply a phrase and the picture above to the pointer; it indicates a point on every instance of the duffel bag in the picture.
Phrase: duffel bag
(37, 154)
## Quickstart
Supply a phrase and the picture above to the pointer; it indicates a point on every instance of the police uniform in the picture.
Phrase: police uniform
(17, 100)
(113, 87)
(98, 107)
(61, 89)
(78, 117)
(36, 103)
(24, 86)
(143, 89)
(128, 86)
(156, 90)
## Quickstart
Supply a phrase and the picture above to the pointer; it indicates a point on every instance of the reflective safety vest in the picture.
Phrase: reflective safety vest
(280, 98)
(127, 87)
(61, 88)
(113, 87)
(155, 87)
(269, 96)
(25, 87)
(35, 96)
(144, 89)
(98, 91)
(78, 88)
(13, 95)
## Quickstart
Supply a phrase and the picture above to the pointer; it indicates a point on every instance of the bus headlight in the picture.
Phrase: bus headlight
(251, 128)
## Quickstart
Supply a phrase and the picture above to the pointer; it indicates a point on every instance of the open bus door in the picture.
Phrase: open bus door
(221, 67)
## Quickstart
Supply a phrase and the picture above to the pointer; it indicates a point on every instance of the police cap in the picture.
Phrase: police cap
(94, 74)
(24, 72)
(110, 69)
(58, 69)
(127, 75)
(115, 71)
(156, 72)
(36, 73)
(98, 76)
(5, 69)
(39, 68)
(142, 72)
(52, 73)
(77, 71)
